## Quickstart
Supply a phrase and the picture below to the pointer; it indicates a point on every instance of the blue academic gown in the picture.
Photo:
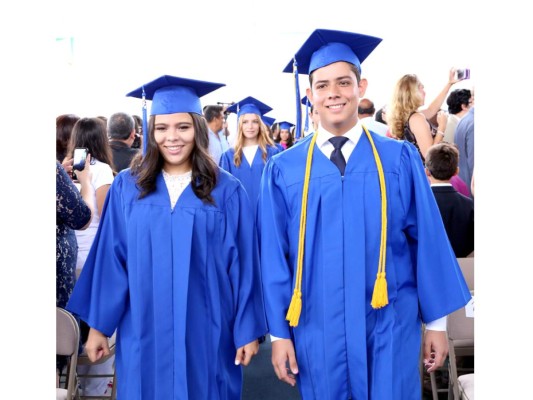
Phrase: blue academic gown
(344, 347)
(182, 287)
(249, 175)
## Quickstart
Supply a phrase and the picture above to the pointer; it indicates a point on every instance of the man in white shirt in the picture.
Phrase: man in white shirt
(459, 102)
(366, 111)
(215, 121)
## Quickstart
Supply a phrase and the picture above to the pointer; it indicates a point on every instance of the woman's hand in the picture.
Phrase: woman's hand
(246, 352)
(84, 176)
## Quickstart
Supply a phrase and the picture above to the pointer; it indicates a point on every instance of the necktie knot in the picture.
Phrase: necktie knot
(336, 155)
(338, 141)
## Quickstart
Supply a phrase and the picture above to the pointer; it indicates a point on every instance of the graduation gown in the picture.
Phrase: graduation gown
(344, 347)
(181, 286)
(249, 175)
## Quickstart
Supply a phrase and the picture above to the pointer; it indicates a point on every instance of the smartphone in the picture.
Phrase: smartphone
(461, 74)
(80, 154)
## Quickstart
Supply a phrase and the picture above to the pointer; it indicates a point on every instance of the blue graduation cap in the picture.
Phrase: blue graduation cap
(171, 94)
(306, 101)
(285, 125)
(249, 105)
(326, 46)
(268, 120)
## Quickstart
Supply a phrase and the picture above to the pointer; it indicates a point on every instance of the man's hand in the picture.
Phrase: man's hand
(435, 349)
(283, 352)
(96, 345)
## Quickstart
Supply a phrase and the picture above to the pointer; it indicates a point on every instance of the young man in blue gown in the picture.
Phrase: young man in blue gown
(354, 255)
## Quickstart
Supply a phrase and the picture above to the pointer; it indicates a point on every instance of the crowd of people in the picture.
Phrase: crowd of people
(193, 248)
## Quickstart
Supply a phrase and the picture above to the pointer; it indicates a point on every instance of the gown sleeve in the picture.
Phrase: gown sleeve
(240, 241)
(224, 162)
(273, 214)
(101, 293)
(441, 285)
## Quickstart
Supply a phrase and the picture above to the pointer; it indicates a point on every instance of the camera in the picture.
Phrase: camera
(78, 164)
(461, 74)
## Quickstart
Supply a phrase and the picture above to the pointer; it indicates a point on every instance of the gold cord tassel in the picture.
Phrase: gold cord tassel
(295, 308)
(380, 297)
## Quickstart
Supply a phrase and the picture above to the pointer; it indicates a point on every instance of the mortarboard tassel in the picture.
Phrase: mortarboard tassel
(298, 129)
(145, 122)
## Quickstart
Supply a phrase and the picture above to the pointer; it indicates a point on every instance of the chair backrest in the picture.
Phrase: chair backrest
(460, 328)
(467, 267)
(67, 344)
(67, 333)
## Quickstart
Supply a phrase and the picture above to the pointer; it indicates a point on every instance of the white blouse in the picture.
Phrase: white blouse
(176, 184)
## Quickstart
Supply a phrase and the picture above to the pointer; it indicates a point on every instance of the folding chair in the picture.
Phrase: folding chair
(67, 344)
(460, 330)
(466, 386)
(83, 359)
(467, 268)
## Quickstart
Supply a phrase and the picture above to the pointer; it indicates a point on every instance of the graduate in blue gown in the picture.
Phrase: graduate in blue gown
(174, 267)
(253, 147)
(349, 282)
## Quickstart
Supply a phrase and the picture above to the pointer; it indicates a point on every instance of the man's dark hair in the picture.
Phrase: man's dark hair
(442, 160)
(352, 67)
(212, 112)
(120, 125)
(457, 98)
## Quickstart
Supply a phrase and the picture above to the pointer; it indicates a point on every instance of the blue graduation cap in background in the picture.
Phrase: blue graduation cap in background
(171, 94)
(268, 120)
(285, 125)
(249, 105)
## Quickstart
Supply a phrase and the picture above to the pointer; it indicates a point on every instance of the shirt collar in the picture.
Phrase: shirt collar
(353, 134)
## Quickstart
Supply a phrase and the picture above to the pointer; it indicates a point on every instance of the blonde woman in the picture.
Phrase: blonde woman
(408, 122)
(253, 147)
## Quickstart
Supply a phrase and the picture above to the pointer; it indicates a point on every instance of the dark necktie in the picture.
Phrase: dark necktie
(336, 156)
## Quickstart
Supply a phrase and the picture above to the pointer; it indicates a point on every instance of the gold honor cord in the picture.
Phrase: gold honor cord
(379, 296)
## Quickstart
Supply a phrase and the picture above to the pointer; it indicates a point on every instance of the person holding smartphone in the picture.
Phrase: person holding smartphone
(175, 264)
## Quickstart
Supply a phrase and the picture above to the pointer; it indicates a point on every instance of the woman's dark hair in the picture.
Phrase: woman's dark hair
(92, 133)
(64, 125)
(204, 169)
